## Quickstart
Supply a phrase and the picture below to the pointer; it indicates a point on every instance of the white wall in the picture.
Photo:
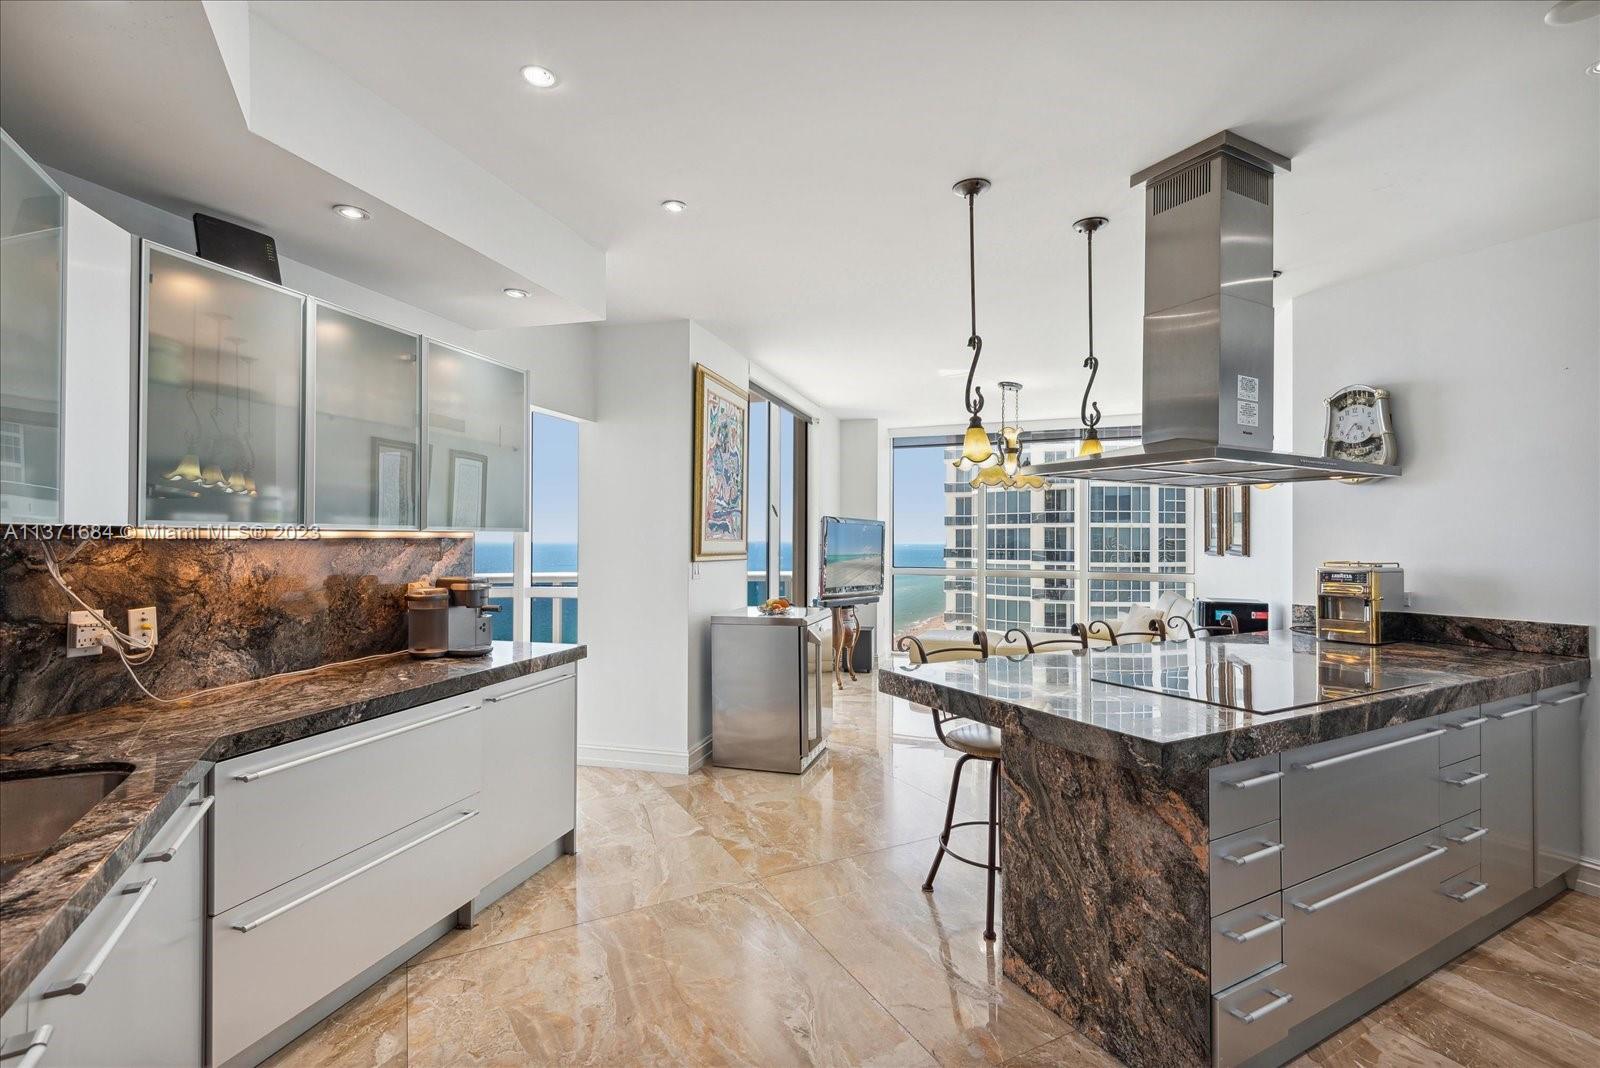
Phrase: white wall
(1494, 360)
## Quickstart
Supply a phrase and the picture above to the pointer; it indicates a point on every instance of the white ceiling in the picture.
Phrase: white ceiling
(816, 143)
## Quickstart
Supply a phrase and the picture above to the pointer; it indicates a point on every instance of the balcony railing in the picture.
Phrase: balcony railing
(558, 588)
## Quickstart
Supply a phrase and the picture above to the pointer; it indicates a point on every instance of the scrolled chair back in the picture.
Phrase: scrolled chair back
(921, 654)
(1181, 627)
(1074, 640)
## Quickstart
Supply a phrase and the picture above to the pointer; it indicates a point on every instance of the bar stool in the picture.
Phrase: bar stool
(974, 741)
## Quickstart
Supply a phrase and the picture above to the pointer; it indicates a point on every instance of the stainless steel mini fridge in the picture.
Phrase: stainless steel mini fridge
(771, 705)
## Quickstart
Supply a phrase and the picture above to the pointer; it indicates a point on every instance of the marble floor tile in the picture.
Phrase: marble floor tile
(1380, 1046)
(369, 1032)
(921, 956)
(721, 978)
(1458, 1018)
(1071, 1050)
(596, 783)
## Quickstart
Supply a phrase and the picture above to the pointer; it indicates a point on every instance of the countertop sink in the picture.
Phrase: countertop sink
(37, 808)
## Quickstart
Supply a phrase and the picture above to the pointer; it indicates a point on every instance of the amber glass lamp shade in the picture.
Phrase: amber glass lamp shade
(188, 469)
(1090, 446)
(976, 448)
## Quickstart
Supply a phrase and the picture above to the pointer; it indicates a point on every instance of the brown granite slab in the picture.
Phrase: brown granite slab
(1517, 635)
(170, 746)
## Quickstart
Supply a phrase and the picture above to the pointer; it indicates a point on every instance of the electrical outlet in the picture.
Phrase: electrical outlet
(142, 625)
(84, 634)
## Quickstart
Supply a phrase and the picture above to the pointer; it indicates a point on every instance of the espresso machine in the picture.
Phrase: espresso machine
(450, 619)
(1352, 596)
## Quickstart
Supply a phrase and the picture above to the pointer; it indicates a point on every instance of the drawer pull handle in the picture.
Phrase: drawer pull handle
(1471, 836)
(1279, 1000)
(1328, 762)
(1566, 700)
(80, 982)
(526, 689)
(1468, 894)
(1513, 712)
(1433, 853)
(1464, 724)
(1471, 780)
(1272, 924)
(252, 776)
(1267, 850)
(200, 810)
(250, 925)
(29, 1046)
(1258, 780)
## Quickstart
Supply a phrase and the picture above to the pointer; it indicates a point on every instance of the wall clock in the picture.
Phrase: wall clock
(1359, 427)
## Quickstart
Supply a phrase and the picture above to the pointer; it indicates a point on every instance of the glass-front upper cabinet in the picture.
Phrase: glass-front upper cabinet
(476, 434)
(365, 382)
(222, 419)
(32, 210)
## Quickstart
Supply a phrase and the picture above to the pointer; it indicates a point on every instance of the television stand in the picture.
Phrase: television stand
(846, 629)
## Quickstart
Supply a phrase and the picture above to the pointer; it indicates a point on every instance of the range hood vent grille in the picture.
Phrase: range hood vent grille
(1180, 188)
(1249, 182)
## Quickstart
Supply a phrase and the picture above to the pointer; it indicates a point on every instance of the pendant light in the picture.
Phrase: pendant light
(976, 448)
(1011, 438)
(1091, 440)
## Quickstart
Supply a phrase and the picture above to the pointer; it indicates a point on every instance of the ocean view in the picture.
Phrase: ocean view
(918, 599)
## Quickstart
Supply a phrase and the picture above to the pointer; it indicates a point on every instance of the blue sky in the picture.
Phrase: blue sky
(919, 475)
(555, 490)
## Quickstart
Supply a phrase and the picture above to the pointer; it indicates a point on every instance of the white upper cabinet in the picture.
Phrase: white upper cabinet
(476, 429)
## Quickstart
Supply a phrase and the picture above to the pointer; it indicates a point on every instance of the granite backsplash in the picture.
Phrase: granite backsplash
(1515, 635)
(228, 610)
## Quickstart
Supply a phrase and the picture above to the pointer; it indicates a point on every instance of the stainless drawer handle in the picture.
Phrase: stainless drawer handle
(200, 809)
(252, 776)
(526, 689)
(1329, 762)
(250, 925)
(1279, 1000)
(1270, 849)
(1512, 712)
(1471, 836)
(1433, 853)
(1471, 780)
(1567, 700)
(1272, 924)
(1468, 894)
(1464, 724)
(80, 982)
(1259, 780)
(29, 1046)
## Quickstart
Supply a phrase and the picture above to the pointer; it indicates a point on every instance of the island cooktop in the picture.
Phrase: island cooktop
(1259, 679)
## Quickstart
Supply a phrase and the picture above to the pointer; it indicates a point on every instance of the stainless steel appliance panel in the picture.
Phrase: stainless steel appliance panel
(1508, 798)
(1244, 794)
(1557, 782)
(1257, 1013)
(1349, 797)
(1246, 941)
(771, 702)
(1461, 787)
(1244, 867)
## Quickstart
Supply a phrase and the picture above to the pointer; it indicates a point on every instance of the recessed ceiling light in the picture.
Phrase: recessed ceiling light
(350, 211)
(676, 207)
(539, 77)
(514, 294)
(1593, 68)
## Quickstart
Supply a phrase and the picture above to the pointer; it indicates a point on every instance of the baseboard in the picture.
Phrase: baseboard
(639, 758)
(700, 755)
(1585, 879)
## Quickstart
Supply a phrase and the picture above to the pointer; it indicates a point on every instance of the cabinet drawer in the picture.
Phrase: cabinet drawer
(280, 953)
(1461, 788)
(1350, 926)
(529, 788)
(128, 986)
(1248, 1018)
(284, 811)
(1244, 795)
(1558, 782)
(1464, 836)
(1468, 898)
(1246, 941)
(1244, 867)
(1462, 740)
(1353, 796)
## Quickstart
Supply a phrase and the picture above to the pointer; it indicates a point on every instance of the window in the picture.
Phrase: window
(535, 574)
(779, 442)
(1039, 569)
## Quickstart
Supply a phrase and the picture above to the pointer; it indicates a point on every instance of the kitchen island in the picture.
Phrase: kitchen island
(1222, 851)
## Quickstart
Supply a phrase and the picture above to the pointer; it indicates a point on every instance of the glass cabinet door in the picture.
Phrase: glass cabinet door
(476, 432)
(222, 421)
(32, 210)
(365, 381)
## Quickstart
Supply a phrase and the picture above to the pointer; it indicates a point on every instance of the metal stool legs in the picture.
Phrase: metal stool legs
(993, 823)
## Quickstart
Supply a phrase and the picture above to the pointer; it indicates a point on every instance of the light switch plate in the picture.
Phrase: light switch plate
(84, 634)
(142, 624)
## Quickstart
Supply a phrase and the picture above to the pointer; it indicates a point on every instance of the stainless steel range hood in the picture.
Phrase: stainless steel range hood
(1207, 411)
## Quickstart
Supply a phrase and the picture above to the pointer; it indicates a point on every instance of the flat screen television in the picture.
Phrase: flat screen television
(852, 561)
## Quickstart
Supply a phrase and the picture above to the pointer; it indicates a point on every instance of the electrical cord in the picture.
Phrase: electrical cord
(131, 651)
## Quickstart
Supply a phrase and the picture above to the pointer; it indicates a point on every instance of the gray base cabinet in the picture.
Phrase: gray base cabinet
(128, 987)
(530, 758)
(1508, 799)
(1557, 782)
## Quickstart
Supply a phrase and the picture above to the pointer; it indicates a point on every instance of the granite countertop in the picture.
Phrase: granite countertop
(171, 745)
(1053, 697)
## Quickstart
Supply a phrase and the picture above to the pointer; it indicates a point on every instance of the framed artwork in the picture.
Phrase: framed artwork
(394, 483)
(1238, 520)
(469, 490)
(1215, 531)
(721, 498)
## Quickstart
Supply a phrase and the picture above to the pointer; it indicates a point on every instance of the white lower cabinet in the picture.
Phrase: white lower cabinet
(530, 751)
(128, 987)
